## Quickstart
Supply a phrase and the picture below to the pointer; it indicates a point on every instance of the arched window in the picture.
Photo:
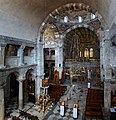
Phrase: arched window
(80, 54)
(66, 19)
(80, 19)
(93, 16)
(86, 52)
(91, 52)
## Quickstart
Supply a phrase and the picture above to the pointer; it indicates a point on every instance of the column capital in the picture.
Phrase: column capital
(106, 34)
(101, 34)
(40, 43)
(107, 80)
(22, 47)
(3, 44)
(21, 80)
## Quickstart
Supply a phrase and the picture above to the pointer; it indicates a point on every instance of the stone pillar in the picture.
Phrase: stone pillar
(33, 54)
(38, 85)
(107, 70)
(2, 55)
(107, 94)
(20, 93)
(59, 59)
(21, 55)
(101, 61)
(40, 68)
(1, 103)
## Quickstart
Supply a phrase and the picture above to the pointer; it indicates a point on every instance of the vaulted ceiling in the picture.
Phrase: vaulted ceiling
(22, 18)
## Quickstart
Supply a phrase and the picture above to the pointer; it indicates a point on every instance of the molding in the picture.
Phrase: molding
(16, 41)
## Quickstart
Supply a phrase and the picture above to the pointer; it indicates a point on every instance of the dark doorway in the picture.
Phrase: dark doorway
(11, 93)
(29, 88)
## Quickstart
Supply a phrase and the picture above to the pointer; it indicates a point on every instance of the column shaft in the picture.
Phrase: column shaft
(20, 94)
(107, 94)
(40, 68)
(1, 103)
(2, 55)
(59, 60)
(107, 70)
(21, 56)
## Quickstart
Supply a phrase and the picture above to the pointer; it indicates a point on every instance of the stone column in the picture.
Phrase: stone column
(20, 93)
(1, 103)
(59, 59)
(107, 70)
(107, 94)
(101, 61)
(101, 38)
(33, 54)
(2, 55)
(40, 68)
(21, 55)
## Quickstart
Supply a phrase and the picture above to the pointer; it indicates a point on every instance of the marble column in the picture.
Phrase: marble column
(1, 103)
(107, 69)
(21, 55)
(40, 68)
(101, 61)
(20, 93)
(107, 94)
(2, 55)
(59, 59)
(38, 84)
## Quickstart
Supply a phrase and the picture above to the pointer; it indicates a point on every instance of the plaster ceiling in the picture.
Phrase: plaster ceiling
(24, 17)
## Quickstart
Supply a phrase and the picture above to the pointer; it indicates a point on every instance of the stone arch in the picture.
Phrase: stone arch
(80, 33)
(11, 92)
(79, 26)
(16, 73)
(68, 7)
(29, 86)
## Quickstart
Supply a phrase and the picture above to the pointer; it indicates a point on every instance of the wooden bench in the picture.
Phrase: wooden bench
(55, 92)
(94, 101)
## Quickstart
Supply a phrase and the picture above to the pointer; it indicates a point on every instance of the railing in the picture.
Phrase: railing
(82, 64)
(11, 61)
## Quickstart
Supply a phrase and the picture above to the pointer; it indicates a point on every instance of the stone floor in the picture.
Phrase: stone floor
(75, 93)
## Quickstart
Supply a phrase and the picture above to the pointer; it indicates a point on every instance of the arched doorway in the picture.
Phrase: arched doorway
(29, 88)
(11, 93)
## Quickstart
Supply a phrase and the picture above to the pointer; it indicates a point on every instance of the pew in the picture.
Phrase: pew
(55, 92)
(94, 103)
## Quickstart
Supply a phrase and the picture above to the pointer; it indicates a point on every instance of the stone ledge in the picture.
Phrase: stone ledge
(16, 41)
